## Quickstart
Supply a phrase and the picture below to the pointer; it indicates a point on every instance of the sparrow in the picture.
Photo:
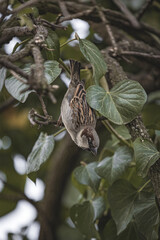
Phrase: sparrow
(77, 116)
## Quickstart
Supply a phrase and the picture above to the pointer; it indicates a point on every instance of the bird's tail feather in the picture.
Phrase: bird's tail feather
(75, 72)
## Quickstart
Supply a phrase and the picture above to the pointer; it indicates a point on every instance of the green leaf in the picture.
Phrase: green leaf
(82, 216)
(110, 231)
(94, 56)
(16, 88)
(25, 21)
(122, 104)
(147, 216)
(111, 168)
(122, 196)
(123, 131)
(130, 233)
(53, 51)
(86, 175)
(145, 155)
(52, 71)
(3, 72)
(40, 152)
(99, 207)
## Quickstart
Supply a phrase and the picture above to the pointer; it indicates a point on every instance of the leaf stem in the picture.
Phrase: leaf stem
(112, 130)
(63, 44)
(63, 65)
(60, 131)
(140, 190)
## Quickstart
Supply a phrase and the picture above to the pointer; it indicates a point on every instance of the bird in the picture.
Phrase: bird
(77, 116)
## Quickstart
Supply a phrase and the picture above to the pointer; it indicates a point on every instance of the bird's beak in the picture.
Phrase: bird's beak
(94, 151)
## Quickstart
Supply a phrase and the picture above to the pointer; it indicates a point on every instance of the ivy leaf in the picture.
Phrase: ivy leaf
(147, 215)
(40, 152)
(122, 104)
(111, 168)
(86, 175)
(94, 56)
(25, 21)
(130, 233)
(122, 196)
(145, 155)
(82, 216)
(99, 207)
(52, 42)
(52, 70)
(3, 72)
(16, 88)
(123, 131)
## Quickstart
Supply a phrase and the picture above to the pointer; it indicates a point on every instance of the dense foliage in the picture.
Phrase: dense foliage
(114, 195)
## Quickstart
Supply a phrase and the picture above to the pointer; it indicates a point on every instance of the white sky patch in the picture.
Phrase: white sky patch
(34, 191)
(19, 164)
(81, 28)
(65, 79)
(9, 47)
(33, 231)
(23, 215)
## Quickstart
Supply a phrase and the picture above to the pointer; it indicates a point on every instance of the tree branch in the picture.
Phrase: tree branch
(8, 33)
(107, 26)
(63, 161)
(127, 13)
(6, 63)
(144, 8)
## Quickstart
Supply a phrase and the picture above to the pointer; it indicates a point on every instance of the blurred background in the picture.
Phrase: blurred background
(18, 217)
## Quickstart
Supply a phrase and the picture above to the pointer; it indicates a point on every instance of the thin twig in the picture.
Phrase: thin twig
(107, 26)
(63, 65)
(144, 185)
(43, 105)
(144, 8)
(18, 77)
(141, 54)
(63, 44)
(6, 63)
(132, 19)
(52, 25)
(76, 15)
(60, 131)
(34, 119)
(112, 130)
(63, 8)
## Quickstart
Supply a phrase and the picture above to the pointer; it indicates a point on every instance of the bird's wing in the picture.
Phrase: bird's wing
(82, 114)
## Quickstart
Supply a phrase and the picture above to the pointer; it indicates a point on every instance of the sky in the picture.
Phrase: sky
(24, 213)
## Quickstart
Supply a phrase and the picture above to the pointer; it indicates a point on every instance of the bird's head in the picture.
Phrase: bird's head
(87, 139)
